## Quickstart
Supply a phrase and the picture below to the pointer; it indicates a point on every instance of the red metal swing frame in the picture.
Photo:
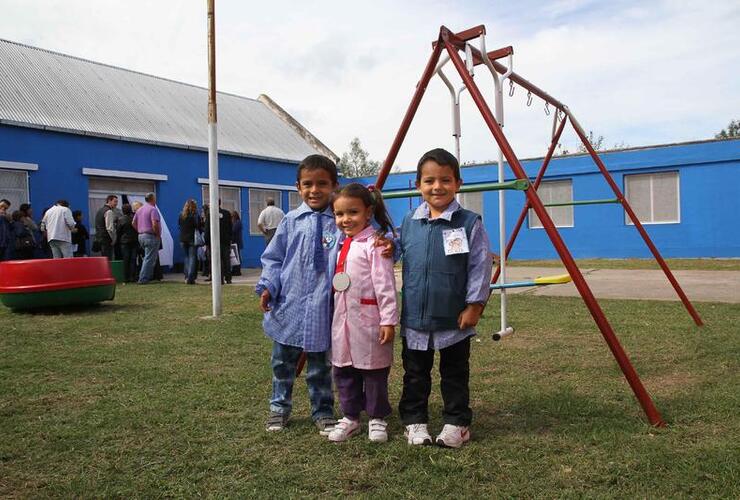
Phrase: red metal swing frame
(454, 42)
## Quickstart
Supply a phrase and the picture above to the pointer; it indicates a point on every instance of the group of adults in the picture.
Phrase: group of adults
(132, 234)
(195, 240)
(59, 233)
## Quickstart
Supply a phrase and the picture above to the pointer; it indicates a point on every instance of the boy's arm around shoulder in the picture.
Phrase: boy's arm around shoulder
(273, 260)
(384, 285)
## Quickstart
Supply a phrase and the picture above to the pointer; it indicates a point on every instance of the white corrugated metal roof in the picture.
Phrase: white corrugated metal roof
(45, 89)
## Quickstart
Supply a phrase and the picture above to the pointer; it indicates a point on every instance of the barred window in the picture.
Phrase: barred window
(653, 197)
(554, 192)
(230, 198)
(257, 203)
(471, 201)
(14, 187)
(294, 200)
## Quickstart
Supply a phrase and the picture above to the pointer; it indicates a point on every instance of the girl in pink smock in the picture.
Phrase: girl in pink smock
(365, 314)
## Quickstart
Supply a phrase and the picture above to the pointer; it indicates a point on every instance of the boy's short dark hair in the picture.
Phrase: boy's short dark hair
(443, 158)
(318, 162)
(77, 213)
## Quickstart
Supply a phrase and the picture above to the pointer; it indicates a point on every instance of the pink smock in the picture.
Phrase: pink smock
(370, 301)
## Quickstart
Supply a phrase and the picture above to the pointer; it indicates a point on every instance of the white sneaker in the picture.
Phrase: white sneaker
(344, 429)
(453, 436)
(417, 434)
(377, 430)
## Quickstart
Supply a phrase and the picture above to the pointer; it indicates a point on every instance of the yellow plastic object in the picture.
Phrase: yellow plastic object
(552, 280)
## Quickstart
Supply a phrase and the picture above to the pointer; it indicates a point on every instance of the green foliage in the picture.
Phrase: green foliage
(356, 162)
(732, 131)
(597, 142)
(141, 398)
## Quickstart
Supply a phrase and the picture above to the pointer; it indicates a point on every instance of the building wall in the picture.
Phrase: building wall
(61, 157)
(709, 180)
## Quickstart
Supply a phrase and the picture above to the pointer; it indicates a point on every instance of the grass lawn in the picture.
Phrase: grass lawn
(674, 264)
(142, 398)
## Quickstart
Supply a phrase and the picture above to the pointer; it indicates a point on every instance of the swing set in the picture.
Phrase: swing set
(452, 44)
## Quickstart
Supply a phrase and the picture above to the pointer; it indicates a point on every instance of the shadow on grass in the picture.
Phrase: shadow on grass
(71, 310)
(557, 411)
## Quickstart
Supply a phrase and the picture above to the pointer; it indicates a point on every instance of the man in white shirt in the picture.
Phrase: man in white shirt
(269, 219)
(58, 224)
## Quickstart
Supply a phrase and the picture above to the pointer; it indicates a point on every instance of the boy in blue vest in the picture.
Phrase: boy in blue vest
(446, 283)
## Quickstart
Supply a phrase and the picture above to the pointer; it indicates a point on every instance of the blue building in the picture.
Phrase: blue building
(81, 130)
(686, 195)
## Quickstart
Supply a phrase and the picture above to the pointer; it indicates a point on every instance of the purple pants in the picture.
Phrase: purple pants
(362, 390)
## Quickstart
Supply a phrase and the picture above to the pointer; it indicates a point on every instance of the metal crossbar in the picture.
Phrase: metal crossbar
(517, 185)
(582, 202)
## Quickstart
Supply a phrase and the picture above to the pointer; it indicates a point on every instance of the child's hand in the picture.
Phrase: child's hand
(388, 246)
(387, 333)
(470, 316)
(265, 299)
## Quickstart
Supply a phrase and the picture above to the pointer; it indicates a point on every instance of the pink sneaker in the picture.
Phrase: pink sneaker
(344, 430)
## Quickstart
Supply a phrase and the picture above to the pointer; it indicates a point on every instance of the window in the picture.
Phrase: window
(14, 187)
(653, 197)
(100, 187)
(471, 201)
(230, 198)
(257, 203)
(555, 192)
(294, 200)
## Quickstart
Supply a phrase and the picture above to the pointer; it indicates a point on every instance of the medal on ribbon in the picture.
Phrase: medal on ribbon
(341, 281)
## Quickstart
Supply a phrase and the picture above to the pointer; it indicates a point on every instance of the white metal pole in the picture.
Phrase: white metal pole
(499, 111)
(213, 165)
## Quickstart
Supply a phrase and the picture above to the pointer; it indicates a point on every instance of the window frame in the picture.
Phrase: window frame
(205, 192)
(531, 213)
(460, 197)
(256, 210)
(651, 175)
(25, 175)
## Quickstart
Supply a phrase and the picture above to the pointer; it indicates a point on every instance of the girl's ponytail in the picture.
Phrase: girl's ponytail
(382, 217)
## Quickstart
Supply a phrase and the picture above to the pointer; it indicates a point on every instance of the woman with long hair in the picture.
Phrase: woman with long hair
(189, 222)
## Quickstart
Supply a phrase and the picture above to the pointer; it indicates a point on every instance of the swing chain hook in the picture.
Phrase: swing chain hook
(547, 108)
(529, 98)
(511, 88)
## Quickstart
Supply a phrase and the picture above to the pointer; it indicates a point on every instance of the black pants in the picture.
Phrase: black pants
(226, 263)
(106, 249)
(454, 371)
(129, 262)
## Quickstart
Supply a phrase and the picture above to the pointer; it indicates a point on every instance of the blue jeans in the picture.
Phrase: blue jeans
(190, 264)
(150, 244)
(318, 379)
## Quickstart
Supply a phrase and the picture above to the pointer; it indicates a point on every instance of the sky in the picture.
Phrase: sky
(636, 72)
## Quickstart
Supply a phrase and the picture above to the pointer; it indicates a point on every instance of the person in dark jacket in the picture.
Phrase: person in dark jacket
(129, 239)
(189, 223)
(105, 226)
(7, 239)
(80, 236)
(236, 237)
(225, 227)
(24, 242)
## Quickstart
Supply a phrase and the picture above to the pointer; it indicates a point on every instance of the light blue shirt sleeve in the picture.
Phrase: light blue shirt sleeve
(480, 264)
(273, 260)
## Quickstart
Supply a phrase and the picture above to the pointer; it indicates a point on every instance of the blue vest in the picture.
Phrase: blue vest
(434, 284)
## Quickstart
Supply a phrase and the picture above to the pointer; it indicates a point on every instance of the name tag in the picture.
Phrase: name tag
(455, 241)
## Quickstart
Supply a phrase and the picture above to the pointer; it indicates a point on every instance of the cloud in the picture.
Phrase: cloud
(639, 72)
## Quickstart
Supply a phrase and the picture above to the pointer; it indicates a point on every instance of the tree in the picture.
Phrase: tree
(356, 162)
(598, 143)
(732, 131)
